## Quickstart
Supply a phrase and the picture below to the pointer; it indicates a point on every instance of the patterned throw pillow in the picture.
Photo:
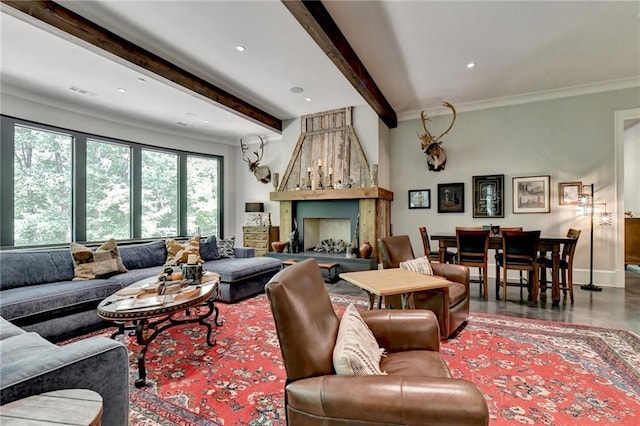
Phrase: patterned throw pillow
(421, 265)
(356, 351)
(178, 253)
(101, 263)
(209, 249)
(225, 246)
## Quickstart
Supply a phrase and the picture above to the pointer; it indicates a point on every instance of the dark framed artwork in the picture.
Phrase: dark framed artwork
(419, 198)
(451, 197)
(531, 194)
(488, 196)
(569, 192)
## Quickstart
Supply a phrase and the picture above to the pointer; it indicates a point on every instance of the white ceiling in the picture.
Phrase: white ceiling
(416, 51)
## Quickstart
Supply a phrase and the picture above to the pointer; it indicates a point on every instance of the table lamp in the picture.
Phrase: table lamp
(254, 213)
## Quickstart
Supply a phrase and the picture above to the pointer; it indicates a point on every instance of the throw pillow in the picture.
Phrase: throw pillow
(101, 263)
(421, 265)
(356, 351)
(225, 247)
(178, 253)
(209, 249)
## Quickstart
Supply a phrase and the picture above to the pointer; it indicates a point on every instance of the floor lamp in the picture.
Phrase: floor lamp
(587, 205)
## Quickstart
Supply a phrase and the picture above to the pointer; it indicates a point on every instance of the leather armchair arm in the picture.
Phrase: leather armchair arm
(404, 330)
(451, 272)
(406, 400)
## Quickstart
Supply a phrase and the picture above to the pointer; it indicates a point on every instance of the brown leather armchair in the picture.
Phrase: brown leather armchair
(451, 304)
(418, 389)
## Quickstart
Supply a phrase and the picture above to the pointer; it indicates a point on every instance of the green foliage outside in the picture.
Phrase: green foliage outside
(42, 189)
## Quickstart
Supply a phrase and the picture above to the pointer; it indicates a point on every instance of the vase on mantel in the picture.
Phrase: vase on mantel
(366, 250)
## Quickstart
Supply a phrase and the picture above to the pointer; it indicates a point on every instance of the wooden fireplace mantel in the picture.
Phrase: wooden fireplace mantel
(332, 194)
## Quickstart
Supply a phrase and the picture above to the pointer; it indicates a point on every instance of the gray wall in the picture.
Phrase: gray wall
(570, 139)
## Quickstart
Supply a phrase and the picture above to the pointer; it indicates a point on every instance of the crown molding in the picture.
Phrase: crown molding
(566, 92)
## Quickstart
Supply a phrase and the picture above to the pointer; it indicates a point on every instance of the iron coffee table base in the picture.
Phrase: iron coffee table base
(141, 328)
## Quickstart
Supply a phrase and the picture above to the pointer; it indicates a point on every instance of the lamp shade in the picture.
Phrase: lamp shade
(254, 207)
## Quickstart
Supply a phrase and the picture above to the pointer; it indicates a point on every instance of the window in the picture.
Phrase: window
(159, 194)
(108, 191)
(202, 195)
(62, 185)
(42, 186)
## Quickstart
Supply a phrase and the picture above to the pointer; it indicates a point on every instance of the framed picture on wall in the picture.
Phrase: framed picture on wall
(568, 192)
(451, 197)
(419, 198)
(531, 194)
(488, 196)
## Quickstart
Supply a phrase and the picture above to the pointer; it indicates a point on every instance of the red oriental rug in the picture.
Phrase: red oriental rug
(531, 372)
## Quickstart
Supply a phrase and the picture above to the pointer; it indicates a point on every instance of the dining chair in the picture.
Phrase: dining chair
(449, 257)
(520, 253)
(498, 254)
(566, 265)
(450, 304)
(473, 247)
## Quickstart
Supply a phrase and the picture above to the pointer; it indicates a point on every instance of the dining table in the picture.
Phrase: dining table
(547, 243)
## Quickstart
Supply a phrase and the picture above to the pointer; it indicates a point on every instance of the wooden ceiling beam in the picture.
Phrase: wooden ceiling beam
(68, 22)
(317, 21)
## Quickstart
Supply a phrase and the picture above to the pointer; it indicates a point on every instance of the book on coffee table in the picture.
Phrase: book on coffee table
(142, 302)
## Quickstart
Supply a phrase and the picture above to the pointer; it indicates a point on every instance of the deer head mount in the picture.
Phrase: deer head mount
(432, 146)
(262, 173)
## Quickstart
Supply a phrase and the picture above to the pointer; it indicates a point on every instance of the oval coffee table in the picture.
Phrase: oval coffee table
(132, 308)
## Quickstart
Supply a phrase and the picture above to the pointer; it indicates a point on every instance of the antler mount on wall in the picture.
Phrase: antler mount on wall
(262, 173)
(432, 146)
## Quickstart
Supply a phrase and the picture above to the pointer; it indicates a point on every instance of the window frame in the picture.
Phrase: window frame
(78, 226)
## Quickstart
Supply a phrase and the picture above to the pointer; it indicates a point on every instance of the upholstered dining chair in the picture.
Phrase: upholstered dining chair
(473, 248)
(566, 265)
(434, 256)
(450, 304)
(416, 388)
(520, 253)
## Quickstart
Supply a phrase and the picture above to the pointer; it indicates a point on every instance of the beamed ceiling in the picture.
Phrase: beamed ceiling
(399, 57)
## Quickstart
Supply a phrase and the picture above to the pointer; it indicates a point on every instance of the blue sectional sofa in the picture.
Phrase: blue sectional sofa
(37, 291)
(32, 365)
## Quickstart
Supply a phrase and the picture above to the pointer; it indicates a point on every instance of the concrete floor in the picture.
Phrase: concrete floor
(612, 307)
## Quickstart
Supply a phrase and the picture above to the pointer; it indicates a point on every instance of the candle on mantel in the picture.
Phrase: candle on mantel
(308, 169)
(192, 259)
(319, 162)
(330, 170)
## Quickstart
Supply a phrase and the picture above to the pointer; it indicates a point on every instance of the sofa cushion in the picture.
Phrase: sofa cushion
(421, 265)
(178, 253)
(26, 268)
(225, 246)
(145, 255)
(7, 329)
(59, 296)
(209, 249)
(356, 351)
(99, 263)
(238, 269)
(20, 347)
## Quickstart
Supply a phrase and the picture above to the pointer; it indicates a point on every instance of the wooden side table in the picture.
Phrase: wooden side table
(82, 407)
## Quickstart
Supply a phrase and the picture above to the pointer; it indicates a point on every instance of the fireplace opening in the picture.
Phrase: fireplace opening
(326, 226)
(327, 235)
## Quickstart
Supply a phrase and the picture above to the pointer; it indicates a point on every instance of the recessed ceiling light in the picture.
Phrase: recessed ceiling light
(121, 90)
(307, 99)
(141, 80)
(206, 121)
(471, 65)
(192, 115)
(240, 48)
(297, 89)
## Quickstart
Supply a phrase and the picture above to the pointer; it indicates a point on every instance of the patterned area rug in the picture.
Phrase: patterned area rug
(531, 372)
